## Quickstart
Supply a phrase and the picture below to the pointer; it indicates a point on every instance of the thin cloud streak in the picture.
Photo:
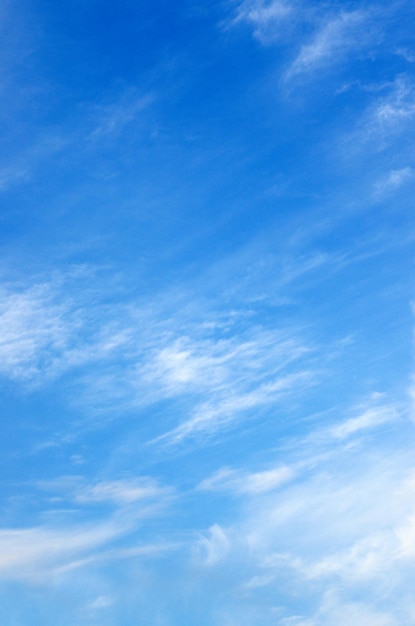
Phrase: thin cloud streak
(268, 19)
(120, 492)
(244, 483)
(139, 359)
(338, 37)
(212, 417)
(29, 554)
(383, 122)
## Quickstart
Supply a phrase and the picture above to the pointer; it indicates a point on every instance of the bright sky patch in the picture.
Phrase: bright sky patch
(206, 313)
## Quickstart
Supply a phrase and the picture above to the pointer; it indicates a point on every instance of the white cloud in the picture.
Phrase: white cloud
(40, 554)
(32, 553)
(32, 331)
(214, 547)
(396, 108)
(211, 417)
(121, 491)
(222, 378)
(266, 18)
(371, 418)
(101, 602)
(44, 331)
(245, 483)
(393, 180)
(382, 123)
(335, 610)
(337, 37)
(406, 538)
(76, 489)
(60, 545)
(141, 356)
(344, 520)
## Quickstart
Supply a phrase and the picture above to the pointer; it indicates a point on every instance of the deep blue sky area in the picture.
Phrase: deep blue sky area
(206, 313)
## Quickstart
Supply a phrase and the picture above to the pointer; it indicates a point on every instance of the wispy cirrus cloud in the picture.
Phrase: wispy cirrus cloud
(251, 375)
(335, 610)
(33, 331)
(45, 331)
(337, 37)
(122, 491)
(61, 543)
(360, 421)
(267, 19)
(32, 553)
(215, 374)
(392, 181)
(318, 447)
(371, 418)
(342, 518)
(245, 483)
(37, 554)
(116, 492)
(127, 355)
(385, 119)
(320, 36)
(110, 119)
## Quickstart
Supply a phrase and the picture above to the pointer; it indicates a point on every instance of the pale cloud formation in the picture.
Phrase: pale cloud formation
(223, 378)
(245, 483)
(210, 417)
(45, 331)
(39, 554)
(212, 548)
(267, 19)
(112, 118)
(397, 107)
(371, 418)
(335, 35)
(32, 330)
(33, 553)
(61, 543)
(393, 180)
(383, 122)
(332, 42)
(344, 519)
(121, 491)
(138, 359)
(335, 610)
(101, 602)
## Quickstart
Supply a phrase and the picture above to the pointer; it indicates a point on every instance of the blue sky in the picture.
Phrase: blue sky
(207, 313)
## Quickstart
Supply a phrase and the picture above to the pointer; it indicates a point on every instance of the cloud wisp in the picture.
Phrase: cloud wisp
(141, 356)
(237, 377)
(387, 117)
(267, 19)
(111, 512)
(320, 37)
(334, 40)
(245, 483)
(331, 524)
